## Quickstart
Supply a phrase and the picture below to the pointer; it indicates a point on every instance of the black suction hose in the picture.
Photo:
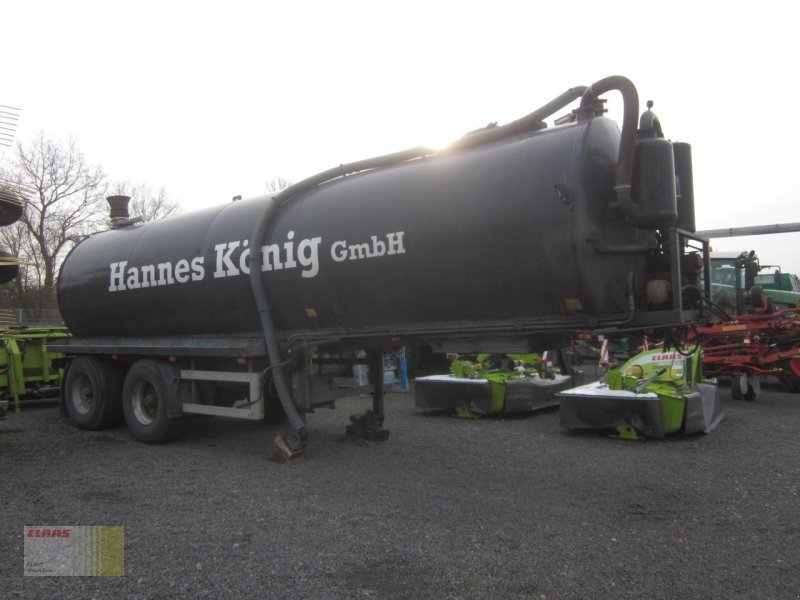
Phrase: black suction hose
(630, 118)
(265, 316)
(530, 122)
(257, 281)
(354, 167)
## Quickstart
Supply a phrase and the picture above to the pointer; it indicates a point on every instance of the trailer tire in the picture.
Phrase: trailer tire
(144, 402)
(93, 393)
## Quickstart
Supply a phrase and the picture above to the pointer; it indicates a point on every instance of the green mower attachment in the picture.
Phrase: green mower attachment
(655, 393)
(491, 384)
(27, 368)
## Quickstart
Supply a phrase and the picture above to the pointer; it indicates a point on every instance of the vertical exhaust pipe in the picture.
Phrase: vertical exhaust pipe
(118, 211)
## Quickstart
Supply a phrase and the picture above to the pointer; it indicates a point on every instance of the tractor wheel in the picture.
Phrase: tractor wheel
(92, 392)
(144, 401)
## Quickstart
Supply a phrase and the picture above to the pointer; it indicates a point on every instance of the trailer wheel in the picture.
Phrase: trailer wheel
(92, 393)
(144, 402)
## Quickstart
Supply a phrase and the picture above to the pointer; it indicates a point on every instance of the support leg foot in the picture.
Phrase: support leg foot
(368, 426)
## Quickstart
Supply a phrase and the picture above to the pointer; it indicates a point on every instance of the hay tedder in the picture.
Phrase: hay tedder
(752, 346)
(762, 338)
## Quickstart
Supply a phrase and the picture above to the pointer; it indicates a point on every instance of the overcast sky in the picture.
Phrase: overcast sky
(213, 99)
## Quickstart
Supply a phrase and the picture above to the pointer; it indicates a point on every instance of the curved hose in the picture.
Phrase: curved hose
(354, 167)
(255, 262)
(530, 122)
(265, 316)
(630, 117)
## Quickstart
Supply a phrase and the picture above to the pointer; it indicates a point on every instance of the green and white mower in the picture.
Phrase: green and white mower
(493, 384)
(655, 393)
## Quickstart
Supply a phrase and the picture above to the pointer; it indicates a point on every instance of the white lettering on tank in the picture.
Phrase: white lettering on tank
(165, 274)
(225, 266)
(232, 259)
(182, 271)
(395, 243)
(198, 269)
(271, 258)
(339, 251)
(308, 255)
(117, 276)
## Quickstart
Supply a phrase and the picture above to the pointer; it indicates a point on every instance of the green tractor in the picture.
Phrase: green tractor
(739, 283)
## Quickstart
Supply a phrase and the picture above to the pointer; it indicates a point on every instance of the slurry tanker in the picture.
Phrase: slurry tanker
(236, 310)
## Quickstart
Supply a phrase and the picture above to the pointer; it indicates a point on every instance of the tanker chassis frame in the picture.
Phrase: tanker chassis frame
(174, 377)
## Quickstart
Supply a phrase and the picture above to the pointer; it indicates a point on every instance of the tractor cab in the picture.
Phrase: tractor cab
(733, 276)
(739, 284)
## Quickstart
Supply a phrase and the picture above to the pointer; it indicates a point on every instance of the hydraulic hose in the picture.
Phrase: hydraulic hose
(630, 118)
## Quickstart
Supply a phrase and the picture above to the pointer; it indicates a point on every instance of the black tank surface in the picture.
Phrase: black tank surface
(489, 238)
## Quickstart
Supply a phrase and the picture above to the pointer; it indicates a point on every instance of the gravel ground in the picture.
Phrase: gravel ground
(447, 508)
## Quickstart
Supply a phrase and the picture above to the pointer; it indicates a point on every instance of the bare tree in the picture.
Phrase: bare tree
(64, 204)
(146, 202)
(277, 183)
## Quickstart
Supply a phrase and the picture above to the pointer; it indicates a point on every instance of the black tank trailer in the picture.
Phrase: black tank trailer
(511, 240)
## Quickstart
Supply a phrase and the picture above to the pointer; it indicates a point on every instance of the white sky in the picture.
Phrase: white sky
(213, 99)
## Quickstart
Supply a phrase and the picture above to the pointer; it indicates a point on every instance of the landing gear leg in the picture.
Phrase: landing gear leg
(369, 425)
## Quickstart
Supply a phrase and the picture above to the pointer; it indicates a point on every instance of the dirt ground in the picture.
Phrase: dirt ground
(446, 508)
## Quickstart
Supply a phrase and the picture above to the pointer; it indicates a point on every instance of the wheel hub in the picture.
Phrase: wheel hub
(83, 396)
(145, 404)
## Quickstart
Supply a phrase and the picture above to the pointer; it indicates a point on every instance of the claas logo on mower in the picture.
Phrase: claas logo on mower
(664, 357)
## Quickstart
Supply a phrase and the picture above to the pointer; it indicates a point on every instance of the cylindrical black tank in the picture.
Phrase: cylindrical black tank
(685, 185)
(493, 233)
(654, 183)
